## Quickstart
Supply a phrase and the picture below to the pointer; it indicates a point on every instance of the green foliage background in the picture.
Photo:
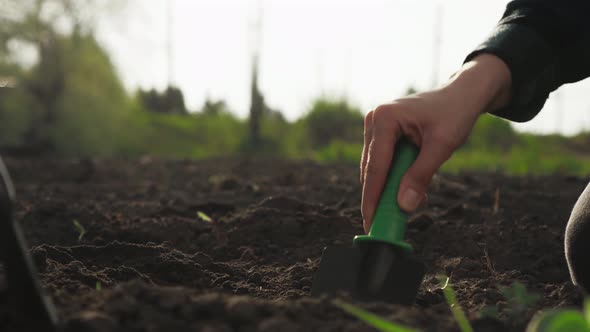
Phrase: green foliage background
(97, 117)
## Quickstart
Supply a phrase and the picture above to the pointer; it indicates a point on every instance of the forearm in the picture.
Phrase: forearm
(484, 84)
(545, 44)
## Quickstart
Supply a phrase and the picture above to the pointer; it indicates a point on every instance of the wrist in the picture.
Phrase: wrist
(484, 82)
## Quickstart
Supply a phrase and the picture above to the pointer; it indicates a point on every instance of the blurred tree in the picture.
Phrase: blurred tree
(94, 108)
(274, 115)
(71, 89)
(215, 107)
(174, 100)
(493, 133)
(256, 109)
(170, 101)
(267, 127)
(329, 120)
(69, 98)
(13, 121)
(27, 26)
(410, 91)
(149, 99)
(40, 25)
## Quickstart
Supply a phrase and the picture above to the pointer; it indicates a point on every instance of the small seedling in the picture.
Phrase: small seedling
(490, 311)
(383, 325)
(458, 313)
(546, 321)
(204, 216)
(519, 299)
(561, 320)
(98, 286)
(216, 179)
(371, 319)
(81, 230)
(496, 207)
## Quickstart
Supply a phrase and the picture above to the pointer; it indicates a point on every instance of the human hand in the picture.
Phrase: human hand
(437, 121)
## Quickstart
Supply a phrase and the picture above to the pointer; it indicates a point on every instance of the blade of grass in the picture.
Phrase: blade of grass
(558, 321)
(204, 217)
(451, 297)
(587, 309)
(373, 320)
(81, 230)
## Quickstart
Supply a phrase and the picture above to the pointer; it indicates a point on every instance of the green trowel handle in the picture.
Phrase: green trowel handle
(389, 222)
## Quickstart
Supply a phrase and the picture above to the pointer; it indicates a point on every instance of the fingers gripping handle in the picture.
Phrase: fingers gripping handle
(389, 222)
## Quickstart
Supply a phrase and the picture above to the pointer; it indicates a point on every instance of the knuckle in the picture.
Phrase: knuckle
(384, 116)
(381, 113)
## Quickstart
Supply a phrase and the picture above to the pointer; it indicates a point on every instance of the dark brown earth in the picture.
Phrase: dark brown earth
(162, 268)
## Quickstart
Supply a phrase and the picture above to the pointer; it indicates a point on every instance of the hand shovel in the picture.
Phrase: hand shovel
(379, 266)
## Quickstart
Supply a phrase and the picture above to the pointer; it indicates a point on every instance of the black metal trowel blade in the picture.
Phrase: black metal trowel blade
(371, 272)
(338, 271)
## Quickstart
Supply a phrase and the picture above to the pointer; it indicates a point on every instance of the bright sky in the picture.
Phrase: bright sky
(367, 50)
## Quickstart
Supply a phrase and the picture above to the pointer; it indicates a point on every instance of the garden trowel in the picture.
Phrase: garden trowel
(378, 267)
(25, 295)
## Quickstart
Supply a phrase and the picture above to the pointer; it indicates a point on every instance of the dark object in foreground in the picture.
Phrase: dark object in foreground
(577, 241)
(378, 267)
(25, 293)
(376, 272)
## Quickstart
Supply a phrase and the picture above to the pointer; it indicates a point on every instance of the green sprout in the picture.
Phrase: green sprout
(561, 320)
(216, 179)
(490, 311)
(373, 320)
(81, 230)
(384, 325)
(204, 216)
(98, 286)
(456, 309)
(568, 320)
(519, 300)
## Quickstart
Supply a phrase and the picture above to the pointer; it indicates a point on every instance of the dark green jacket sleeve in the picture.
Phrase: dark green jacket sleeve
(545, 43)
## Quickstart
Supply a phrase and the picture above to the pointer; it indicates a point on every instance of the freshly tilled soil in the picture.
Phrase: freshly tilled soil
(149, 262)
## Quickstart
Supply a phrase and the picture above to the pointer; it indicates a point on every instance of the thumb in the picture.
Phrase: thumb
(412, 190)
